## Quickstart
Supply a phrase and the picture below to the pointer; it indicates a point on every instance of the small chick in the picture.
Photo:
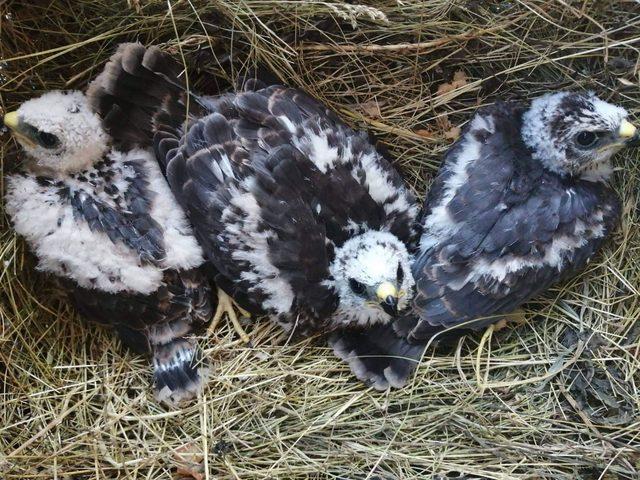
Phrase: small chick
(105, 222)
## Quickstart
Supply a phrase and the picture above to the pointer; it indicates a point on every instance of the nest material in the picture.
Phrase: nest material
(556, 397)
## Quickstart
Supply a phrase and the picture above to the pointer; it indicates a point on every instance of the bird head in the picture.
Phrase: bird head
(576, 134)
(372, 275)
(59, 131)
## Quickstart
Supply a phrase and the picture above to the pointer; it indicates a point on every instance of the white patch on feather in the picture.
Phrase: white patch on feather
(555, 254)
(316, 147)
(439, 223)
(381, 188)
(287, 123)
(254, 249)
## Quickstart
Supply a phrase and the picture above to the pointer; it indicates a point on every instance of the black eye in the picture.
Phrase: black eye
(586, 139)
(47, 140)
(357, 287)
(400, 274)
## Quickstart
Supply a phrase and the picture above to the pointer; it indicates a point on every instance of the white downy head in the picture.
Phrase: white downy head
(59, 131)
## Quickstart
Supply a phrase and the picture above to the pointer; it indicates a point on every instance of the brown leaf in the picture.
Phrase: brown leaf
(459, 80)
(452, 134)
(371, 108)
(443, 129)
(423, 132)
(189, 462)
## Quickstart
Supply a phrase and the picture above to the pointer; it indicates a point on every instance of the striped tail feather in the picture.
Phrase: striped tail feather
(179, 368)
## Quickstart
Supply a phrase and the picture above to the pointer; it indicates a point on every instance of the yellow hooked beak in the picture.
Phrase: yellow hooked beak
(387, 295)
(12, 121)
(629, 134)
(627, 130)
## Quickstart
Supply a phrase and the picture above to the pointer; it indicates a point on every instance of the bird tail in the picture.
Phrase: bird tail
(179, 370)
(377, 355)
(136, 84)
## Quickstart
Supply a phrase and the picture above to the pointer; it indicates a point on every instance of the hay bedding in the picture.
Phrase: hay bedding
(554, 398)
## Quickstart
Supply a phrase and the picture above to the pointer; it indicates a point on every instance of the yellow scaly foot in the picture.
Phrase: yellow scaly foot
(227, 305)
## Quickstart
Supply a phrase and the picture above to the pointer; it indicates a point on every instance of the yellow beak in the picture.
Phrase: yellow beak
(11, 120)
(627, 130)
(386, 289)
(387, 295)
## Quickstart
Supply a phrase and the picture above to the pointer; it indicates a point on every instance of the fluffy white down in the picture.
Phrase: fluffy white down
(371, 258)
(66, 115)
(68, 248)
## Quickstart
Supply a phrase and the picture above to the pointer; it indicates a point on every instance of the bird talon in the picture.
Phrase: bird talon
(227, 305)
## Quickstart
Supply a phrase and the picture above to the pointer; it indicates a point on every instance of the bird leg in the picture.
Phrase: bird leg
(518, 317)
(227, 305)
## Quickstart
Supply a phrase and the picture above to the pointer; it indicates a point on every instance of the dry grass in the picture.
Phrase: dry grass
(554, 398)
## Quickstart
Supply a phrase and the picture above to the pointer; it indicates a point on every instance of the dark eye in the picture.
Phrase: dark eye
(586, 139)
(357, 287)
(400, 274)
(47, 140)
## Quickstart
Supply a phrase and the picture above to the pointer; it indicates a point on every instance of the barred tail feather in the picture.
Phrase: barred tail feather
(179, 370)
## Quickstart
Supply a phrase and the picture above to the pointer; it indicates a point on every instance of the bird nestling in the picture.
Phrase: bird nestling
(300, 216)
(521, 203)
(105, 222)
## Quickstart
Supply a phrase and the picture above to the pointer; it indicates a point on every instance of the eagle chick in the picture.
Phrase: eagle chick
(105, 222)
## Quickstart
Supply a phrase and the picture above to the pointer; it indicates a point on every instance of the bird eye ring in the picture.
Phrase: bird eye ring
(357, 287)
(586, 139)
(47, 140)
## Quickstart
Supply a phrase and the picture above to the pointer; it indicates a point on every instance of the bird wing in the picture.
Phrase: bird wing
(253, 218)
(136, 229)
(278, 115)
(501, 230)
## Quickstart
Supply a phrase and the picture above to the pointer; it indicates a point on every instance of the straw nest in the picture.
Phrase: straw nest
(555, 397)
